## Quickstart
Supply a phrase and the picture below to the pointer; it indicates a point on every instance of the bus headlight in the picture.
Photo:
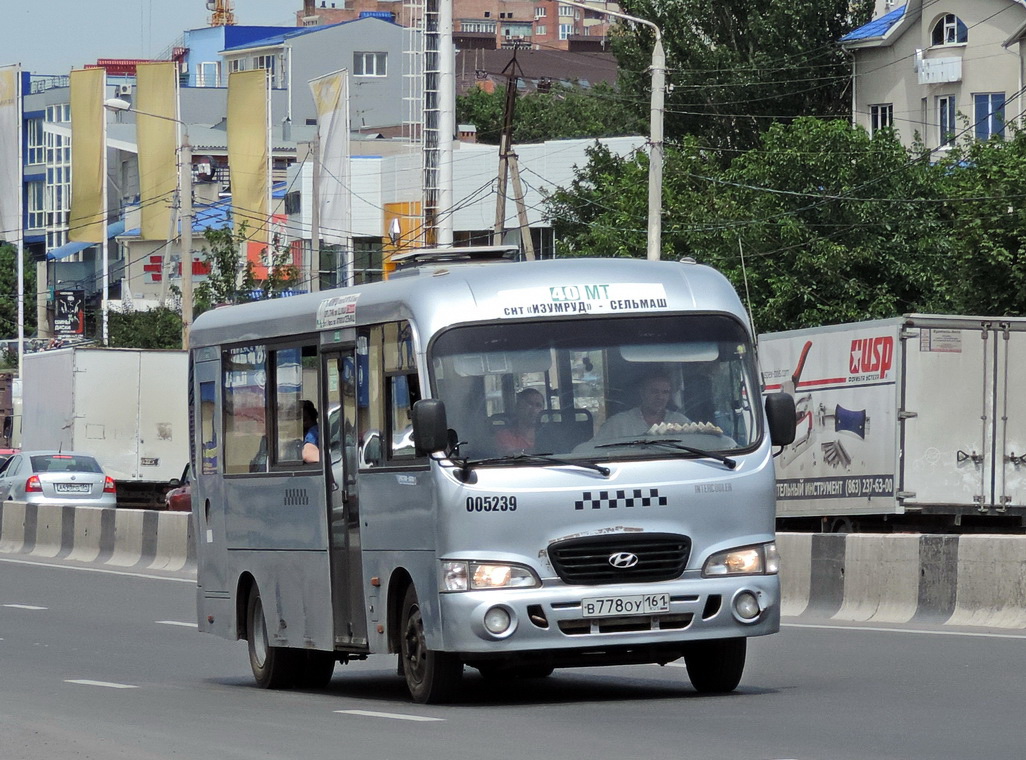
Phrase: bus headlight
(476, 576)
(747, 560)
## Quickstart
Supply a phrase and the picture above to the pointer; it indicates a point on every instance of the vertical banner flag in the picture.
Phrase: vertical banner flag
(249, 152)
(331, 98)
(87, 220)
(10, 155)
(157, 131)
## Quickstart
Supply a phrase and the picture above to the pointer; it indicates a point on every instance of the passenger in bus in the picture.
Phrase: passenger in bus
(311, 433)
(519, 436)
(655, 392)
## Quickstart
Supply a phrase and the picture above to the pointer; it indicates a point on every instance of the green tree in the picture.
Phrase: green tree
(9, 292)
(564, 112)
(734, 67)
(153, 328)
(986, 218)
(232, 277)
(820, 224)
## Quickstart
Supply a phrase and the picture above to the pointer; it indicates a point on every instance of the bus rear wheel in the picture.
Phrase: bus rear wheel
(431, 677)
(715, 667)
(273, 667)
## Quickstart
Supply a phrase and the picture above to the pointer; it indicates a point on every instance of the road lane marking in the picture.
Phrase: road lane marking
(182, 623)
(393, 716)
(25, 607)
(83, 569)
(107, 684)
(879, 629)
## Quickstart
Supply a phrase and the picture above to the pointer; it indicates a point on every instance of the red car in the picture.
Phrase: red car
(179, 498)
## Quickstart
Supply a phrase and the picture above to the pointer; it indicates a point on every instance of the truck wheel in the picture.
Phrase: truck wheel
(273, 667)
(431, 677)
(715, 667)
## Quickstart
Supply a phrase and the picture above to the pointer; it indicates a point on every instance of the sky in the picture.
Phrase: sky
(55, 36)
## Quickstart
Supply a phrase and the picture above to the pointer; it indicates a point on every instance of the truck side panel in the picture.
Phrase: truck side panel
(949, 426)
(845, 383)
(106, 388)
(48, 401)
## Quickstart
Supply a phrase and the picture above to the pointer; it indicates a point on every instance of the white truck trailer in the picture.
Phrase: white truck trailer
(912, 423)
(126, 407)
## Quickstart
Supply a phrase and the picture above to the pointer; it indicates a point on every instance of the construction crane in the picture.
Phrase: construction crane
(222, 12)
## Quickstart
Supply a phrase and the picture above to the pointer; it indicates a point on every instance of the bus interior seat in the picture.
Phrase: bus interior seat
(560, 430)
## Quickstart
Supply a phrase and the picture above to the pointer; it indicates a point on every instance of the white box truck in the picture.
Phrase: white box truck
(126, 407)
(913, 423)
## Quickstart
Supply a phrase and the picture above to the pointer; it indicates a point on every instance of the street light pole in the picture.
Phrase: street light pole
(185, 236)
(655, 161)
(185, 207)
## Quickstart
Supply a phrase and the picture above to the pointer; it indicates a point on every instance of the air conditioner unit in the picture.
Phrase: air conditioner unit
(124, 89)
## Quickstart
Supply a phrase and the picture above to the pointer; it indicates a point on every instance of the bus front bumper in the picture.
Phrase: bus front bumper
(561, 618)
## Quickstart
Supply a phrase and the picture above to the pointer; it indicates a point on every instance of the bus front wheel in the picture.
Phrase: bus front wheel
(273, 667)
(431, 676)
(715, 666)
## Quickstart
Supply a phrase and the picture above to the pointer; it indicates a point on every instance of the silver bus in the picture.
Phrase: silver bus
(481, 463)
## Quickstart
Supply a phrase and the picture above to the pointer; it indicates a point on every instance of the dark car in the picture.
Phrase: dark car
(179, 498)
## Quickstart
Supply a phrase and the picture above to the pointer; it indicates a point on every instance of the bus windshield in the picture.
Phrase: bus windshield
(599, 388)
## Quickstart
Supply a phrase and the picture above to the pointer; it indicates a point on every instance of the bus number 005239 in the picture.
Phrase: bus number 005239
(491, 503)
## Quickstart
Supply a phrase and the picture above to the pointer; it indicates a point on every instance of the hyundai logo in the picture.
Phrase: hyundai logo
(623, 560)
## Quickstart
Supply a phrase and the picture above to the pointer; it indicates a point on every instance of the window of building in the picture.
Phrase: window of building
(950, 31)
(989, 115)
(946, 119)
(236, 64)
(36, 145)
(265, 62)
(568, 11)
(881, 116)
(36, 209)
(541, 11)
(370, 64)
(208, 74)
(541, 30)
(565, 30)
(516, 29)
(487, 27)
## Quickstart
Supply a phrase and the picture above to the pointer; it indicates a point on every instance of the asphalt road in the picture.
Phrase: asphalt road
(104, 666)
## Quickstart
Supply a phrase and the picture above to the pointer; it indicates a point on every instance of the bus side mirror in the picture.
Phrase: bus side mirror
(783, 418)
(430, 429)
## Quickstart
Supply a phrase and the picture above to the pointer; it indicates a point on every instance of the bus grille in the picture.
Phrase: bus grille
(594, 560)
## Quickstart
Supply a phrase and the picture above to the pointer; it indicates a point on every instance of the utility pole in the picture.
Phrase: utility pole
(507, 164)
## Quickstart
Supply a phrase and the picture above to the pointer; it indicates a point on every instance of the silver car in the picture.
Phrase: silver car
(56, 477)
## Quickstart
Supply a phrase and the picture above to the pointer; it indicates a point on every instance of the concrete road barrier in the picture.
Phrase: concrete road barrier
(973, 580)
(977, 580)
(123, 538)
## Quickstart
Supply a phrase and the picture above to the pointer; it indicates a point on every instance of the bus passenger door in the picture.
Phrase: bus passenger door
(339, 442)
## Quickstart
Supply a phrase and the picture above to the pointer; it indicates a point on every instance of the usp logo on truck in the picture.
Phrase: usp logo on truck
(870, 358)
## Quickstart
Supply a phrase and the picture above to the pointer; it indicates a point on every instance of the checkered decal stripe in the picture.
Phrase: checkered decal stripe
(637, 497)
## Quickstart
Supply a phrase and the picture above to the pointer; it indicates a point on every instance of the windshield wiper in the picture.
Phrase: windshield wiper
(536, 459)
(673, 443)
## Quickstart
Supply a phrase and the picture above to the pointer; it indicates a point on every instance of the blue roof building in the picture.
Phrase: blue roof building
(938, 72)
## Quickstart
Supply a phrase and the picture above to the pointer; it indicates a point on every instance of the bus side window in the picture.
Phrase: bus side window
(296, 418)
(403, 392)
(245, 401)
